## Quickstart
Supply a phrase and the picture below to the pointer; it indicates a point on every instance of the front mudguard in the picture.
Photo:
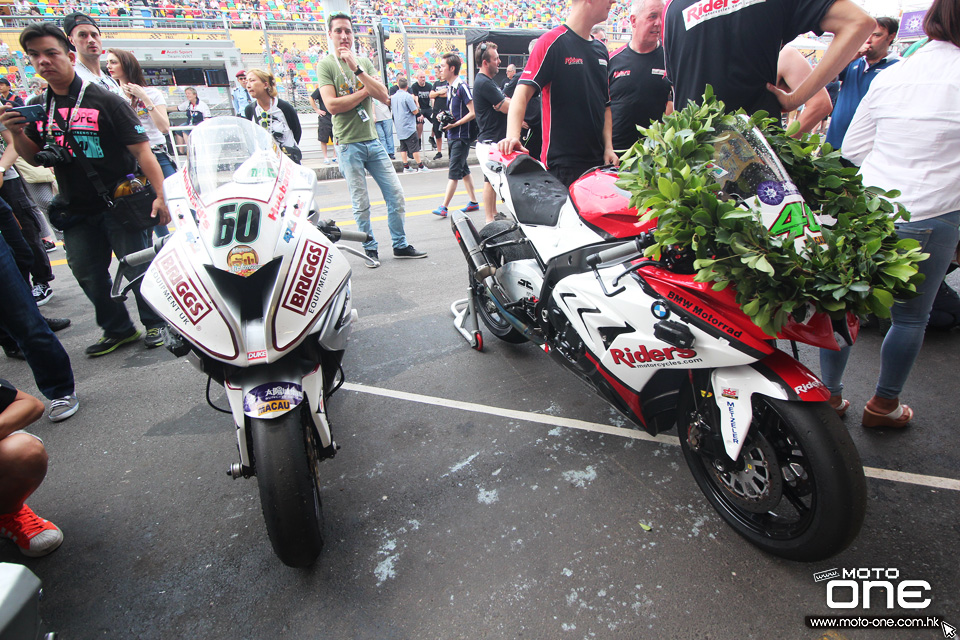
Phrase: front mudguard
(776, 376)
(269, 391)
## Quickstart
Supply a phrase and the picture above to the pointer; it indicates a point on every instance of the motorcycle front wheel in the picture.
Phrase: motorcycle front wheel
(797, 490)
(289, 485)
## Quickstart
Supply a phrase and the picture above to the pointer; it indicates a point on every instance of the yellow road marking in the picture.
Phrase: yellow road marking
(379, 202)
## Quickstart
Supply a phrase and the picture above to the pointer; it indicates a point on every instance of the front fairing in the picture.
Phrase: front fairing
(246, 277)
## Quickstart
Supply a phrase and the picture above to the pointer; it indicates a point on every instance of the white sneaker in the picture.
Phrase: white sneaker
(410, 170)
(63, 408)
(425, 169)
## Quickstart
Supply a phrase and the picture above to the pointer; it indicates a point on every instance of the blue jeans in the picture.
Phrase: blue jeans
(353, 159)
(385, 131)
(21, 319)
(166, 166)
(89, 246)
(937, 236)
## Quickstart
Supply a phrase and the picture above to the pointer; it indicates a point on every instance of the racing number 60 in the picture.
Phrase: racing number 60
(240, 224)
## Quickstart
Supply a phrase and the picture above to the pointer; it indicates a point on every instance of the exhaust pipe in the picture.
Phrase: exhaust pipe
(469, 241)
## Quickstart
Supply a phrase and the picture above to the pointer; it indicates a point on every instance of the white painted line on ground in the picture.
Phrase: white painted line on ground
(570, 423)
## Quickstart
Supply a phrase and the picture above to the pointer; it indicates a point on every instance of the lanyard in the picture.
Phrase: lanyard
(349, 78)
(69, 121)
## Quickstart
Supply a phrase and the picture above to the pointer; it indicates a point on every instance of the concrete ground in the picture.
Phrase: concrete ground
(474, 497)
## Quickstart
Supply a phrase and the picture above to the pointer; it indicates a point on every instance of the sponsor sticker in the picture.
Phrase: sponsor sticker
(729, 392)
(306, 277)
(257, 355)
(182, 288)
(770, 192)
(243, 260)
(267, 398)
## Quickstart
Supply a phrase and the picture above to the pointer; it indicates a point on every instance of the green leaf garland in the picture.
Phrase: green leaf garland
(861, 267)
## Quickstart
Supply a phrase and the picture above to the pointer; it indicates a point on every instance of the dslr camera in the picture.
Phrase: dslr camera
(444, 118)
(53, 155)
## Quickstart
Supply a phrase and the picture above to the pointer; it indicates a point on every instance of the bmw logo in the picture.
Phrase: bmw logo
(660, 310)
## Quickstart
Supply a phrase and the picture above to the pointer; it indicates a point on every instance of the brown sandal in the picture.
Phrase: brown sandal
(896, 419)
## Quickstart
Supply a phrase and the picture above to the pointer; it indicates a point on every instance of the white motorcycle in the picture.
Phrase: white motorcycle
(567, 271)
(259, 297)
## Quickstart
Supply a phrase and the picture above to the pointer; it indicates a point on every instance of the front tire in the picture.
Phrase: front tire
(797, 490)
(289, 486)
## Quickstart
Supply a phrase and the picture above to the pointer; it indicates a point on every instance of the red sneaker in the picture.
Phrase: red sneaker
(35, 536)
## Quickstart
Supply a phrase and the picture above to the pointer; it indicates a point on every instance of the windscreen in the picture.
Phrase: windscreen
(229, 150)
(746, 166)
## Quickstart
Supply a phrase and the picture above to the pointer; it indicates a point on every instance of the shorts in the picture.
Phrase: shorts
(483, 151)
(427, 114)
(27, 433)
(410, 145)
(325, 129)
(458, 150)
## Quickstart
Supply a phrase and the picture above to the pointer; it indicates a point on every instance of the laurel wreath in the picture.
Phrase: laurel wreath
(861, 267)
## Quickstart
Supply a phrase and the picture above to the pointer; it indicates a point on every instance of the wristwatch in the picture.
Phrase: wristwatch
(358, 72)
(150, 108)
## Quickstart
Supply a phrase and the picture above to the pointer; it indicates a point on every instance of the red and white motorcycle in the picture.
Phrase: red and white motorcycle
(567, 272)
(259, 296)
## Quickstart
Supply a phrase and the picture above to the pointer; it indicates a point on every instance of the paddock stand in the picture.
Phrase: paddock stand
(465, 321)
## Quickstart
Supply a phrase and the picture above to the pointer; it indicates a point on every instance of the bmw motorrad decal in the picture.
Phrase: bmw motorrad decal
(272, 398)
(706, 314)
(660, 310)
(309, 274)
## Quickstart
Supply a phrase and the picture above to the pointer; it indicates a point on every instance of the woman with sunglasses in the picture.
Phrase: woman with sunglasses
(277, 116)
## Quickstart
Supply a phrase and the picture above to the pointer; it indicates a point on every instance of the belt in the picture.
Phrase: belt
(159, 148)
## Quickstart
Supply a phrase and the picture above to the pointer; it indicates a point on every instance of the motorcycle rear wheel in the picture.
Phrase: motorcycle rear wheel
(798, 492)
(483, 303)
(289, 486)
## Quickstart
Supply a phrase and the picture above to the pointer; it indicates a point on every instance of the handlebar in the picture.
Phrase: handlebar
(330, 229)
(138, 258)
(618, 253)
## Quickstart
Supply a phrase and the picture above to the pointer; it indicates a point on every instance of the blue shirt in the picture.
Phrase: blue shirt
(856, 80)
(403, 105)
(241, 98)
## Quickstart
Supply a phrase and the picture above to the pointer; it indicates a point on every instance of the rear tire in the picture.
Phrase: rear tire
(798, 491)
(483, 303)
(289, 488)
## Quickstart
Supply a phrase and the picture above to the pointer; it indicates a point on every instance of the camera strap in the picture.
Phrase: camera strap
(82, 159)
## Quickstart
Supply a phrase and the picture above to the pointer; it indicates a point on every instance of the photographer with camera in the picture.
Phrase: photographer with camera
(91, 138)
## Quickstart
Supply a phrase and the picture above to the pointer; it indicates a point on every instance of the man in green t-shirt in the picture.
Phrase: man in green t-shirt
(347, 86)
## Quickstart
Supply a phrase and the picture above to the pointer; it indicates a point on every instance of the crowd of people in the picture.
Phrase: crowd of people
(574, 105)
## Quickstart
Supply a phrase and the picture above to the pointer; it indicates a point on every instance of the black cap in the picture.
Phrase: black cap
(75, 19)
(4, 81)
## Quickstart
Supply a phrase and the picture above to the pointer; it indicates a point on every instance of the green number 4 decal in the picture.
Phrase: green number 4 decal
(792, 220)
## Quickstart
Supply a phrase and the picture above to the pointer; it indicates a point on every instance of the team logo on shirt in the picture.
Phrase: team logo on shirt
(707, 9)
(621, 74)
(573, 61)
(658, 72)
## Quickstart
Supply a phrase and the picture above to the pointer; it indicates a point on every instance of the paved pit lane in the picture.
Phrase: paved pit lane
(476, 495)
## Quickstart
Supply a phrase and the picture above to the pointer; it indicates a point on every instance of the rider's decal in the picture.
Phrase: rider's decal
(704, 10)
(660, 310)
(808, 386)
(307, 277)
(644, 357)
(243, 260)
(793, 219)
(183, 290)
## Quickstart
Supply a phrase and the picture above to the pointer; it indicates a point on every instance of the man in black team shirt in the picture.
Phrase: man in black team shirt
(733, 45)
(570, 69)
(491, 107)
(421, 91)
(439, 95)
(639, 91)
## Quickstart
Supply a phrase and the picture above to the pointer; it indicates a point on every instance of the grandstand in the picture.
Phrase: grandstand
(290, 37)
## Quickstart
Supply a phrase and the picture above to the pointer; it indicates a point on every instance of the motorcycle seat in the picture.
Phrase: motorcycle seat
(537, 195)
